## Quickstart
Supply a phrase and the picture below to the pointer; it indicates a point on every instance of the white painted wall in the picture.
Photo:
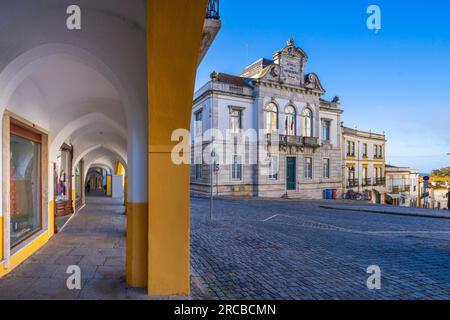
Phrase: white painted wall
(117, 186)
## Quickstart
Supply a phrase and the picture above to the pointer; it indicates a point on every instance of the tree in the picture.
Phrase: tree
(443, 172)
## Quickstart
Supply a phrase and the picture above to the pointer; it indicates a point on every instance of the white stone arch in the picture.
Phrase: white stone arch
(84, 121)
(120, 157)
(134, 105)
(25, 64)
(99, 155)
(102, 165)
(81, 155)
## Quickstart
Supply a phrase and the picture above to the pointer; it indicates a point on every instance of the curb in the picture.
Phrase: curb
(389, 212)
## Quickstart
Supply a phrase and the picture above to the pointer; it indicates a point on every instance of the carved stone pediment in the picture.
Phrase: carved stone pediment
(291, 51)
(312, 82)
(291, 60)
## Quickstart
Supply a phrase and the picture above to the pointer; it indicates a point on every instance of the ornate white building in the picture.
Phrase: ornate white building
(297, 149)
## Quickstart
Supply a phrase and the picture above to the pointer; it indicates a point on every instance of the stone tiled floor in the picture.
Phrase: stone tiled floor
(308, 252)
(95, 240)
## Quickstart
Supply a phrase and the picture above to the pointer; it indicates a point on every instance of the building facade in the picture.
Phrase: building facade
(438, 199)
(402, 186)
(363, 166)
(274, 134)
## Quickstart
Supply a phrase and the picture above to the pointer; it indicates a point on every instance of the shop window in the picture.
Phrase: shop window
(63, 182)
(79, 185)
(25, 184)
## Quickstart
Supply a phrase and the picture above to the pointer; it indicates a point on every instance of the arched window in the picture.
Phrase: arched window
(271, 118)
(307, 122)
(290, 123)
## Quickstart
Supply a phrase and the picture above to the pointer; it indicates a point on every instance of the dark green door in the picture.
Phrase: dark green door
(290, 173)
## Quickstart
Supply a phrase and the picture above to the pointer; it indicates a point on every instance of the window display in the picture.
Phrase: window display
(63, 181)
(25, 186)
(78, 185)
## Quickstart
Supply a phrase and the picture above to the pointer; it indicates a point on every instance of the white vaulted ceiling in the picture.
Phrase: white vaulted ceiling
(84, 87)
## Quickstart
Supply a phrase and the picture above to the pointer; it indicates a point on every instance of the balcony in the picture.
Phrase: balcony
(352, 183)
(398, 189)
(213, 10)
(297, 141)
(380, 182)
(311, 142)
(366, 182)
(210, 28)
(290, 140)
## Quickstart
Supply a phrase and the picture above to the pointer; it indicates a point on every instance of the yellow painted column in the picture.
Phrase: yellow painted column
(137, 244)
(125, 192)
(51, 218)
(174, 31)
(120, 170)
(108, 186)
(73, 200)
(1, 238)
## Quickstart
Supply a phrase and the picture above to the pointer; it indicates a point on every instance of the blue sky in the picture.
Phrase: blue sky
(396, 80)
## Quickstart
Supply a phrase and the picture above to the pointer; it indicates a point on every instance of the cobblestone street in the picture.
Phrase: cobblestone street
(309, 252)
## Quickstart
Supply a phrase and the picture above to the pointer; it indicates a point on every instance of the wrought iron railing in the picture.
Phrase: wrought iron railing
(352, 183)
(366, 182)
(292, 140)
(213, 10)
(380, 181)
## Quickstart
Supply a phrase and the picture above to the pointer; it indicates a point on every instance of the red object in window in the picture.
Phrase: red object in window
(13, 195)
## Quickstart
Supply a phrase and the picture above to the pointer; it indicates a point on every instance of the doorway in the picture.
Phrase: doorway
(291, 173)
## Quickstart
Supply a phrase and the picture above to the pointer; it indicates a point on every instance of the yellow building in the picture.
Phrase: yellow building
(363, 165)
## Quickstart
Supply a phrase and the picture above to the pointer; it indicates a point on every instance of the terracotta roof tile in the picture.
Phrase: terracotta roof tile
(233, 80)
